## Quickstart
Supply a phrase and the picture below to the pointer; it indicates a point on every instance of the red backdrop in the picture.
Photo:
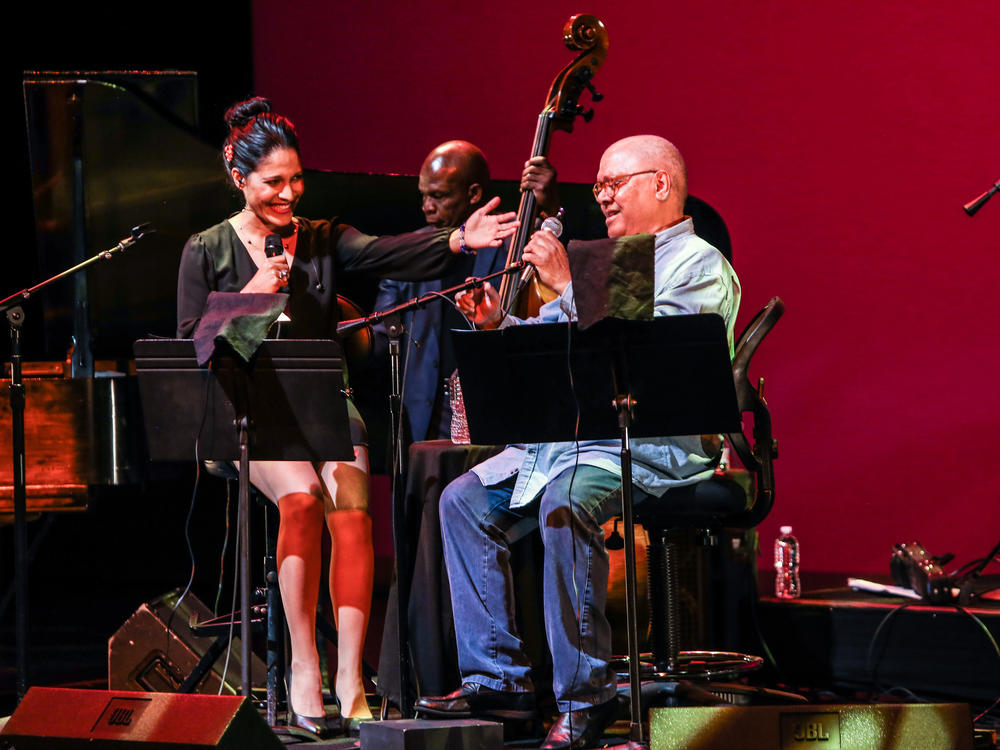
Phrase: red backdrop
(839, 141)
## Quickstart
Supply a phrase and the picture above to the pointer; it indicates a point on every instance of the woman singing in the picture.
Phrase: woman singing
(261, 156)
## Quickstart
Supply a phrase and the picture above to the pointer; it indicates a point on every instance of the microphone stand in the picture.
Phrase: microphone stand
(395, 330)
(345, 327)
(974, 205)
(11, 307)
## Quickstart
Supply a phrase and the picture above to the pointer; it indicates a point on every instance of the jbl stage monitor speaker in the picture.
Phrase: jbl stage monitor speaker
(145, 655)
(63, 719)
(924, 726)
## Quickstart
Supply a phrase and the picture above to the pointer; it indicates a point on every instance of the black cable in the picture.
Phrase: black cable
(449, 300)
(225, 547)
(978, 716)
(755, 615)
(979, 561)
(572, 523)
(232, 622)
(190, 514)
(506, 311)
(873, 667)
(962, 568)
(410, 342)
(885, 621)
(906, 693)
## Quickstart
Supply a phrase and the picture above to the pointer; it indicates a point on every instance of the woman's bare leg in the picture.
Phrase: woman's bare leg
(301, 507)
(351, 571)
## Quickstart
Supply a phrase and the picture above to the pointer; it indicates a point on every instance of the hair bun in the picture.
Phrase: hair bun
(241, 113)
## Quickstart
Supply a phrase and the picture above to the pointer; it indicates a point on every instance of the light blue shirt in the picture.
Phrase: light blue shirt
(691, 277)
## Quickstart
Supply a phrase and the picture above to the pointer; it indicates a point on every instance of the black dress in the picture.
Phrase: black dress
(215, 260)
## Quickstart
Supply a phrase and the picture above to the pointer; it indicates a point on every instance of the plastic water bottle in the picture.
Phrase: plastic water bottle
(786, 565)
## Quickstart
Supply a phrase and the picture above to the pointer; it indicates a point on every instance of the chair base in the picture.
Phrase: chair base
(662, 693)
(694, 665)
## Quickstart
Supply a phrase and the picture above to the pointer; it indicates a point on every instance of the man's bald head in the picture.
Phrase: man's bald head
(653, 197)
(453, 180)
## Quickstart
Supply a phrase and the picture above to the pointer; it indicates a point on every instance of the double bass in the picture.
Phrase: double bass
(585, 34)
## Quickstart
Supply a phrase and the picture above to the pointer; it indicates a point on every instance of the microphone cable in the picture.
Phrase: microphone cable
(572, 513)
(190, 514)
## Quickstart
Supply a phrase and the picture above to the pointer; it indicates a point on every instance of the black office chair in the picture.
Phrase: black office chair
(730, 499)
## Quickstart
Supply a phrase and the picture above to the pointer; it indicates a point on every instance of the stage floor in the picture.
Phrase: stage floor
(84, 588)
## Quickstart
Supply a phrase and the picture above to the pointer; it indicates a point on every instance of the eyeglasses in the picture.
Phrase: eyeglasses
(614, 184)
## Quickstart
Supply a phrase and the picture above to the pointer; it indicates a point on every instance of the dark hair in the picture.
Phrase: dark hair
(254, 132)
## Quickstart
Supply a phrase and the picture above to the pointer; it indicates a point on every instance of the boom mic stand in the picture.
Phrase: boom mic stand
(395, 330)
(974, 205)
(11, 307)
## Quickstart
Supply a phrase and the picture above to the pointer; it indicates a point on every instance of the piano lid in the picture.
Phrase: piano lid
(109, 151)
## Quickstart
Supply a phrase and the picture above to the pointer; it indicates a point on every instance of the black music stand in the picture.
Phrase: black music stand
(287, 404)
(641, 378)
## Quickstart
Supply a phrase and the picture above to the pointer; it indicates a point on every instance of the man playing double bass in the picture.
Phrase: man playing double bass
(454, 181)
(565, 491)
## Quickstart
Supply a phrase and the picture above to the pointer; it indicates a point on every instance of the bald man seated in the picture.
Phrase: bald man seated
(454, 181)
(565, 491)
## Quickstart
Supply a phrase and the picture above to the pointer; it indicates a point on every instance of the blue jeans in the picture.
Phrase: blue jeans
(477, 528)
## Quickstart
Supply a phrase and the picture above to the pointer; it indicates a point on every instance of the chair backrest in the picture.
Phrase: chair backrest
(758, 458)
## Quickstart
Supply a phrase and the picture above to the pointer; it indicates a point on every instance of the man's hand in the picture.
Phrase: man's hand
(481, 306)
(547, 254)
(540, 178)
(483, 229)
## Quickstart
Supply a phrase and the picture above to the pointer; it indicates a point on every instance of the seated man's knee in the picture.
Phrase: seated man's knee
(454, 500)
(556, 511)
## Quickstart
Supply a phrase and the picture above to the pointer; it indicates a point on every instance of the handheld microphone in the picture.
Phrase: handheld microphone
(272, 249)
(273, 246)
(551, 224)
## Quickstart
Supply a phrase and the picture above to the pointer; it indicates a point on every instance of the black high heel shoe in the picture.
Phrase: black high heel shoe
(313, 724)
(351, 726)
(316, 725)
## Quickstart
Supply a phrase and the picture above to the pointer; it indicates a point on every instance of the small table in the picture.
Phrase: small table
(432, 465)
(823, 638)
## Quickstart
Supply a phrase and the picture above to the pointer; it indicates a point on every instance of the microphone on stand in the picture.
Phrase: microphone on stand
(551, 224)
(272, 249)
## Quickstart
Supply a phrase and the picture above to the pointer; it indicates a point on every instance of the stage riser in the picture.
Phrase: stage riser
(937, 652)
